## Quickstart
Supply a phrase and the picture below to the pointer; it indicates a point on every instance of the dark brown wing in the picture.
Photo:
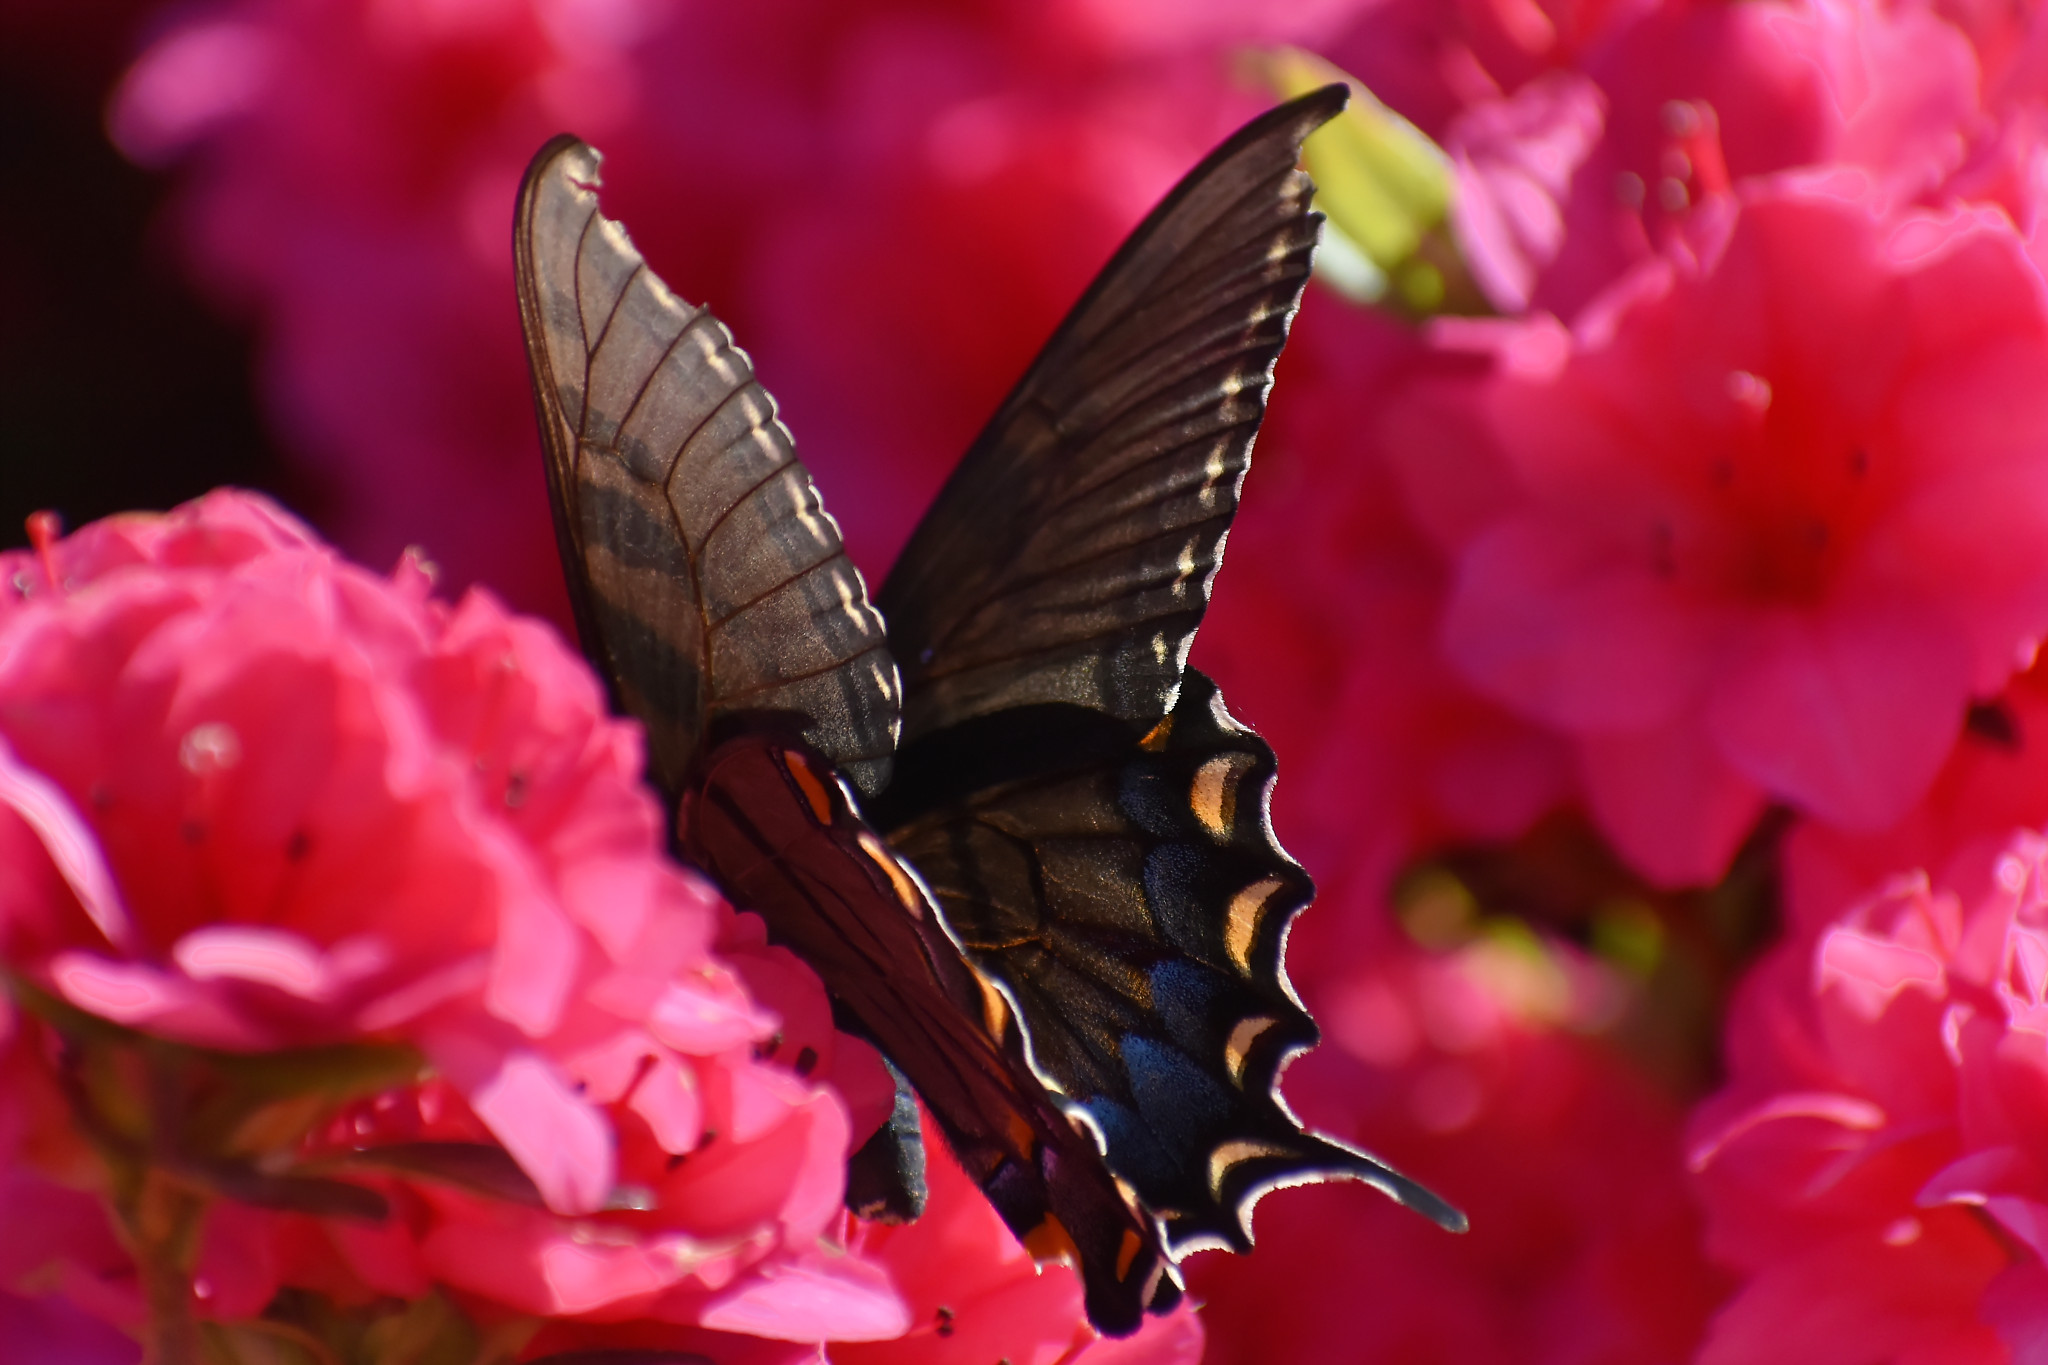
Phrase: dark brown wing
(777, 829)
(1068, 559)
(1128, 892)
(706, 577)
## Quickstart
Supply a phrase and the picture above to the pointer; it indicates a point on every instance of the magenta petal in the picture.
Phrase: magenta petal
(1570, 633)
(70, 843)
(2016, 1306)
(554, 1135)
(668, 1098)
(2025, 1219)
(1975, 1178)
(1871, 969)
(144, 998)
(1515, 160)
(1848, 714)
(1668, 803)
(1176, 1339)
(1842, 1111)
(819, 1298)
(538, 949)
(277, 958)
(581, 1275)
(706, 1013)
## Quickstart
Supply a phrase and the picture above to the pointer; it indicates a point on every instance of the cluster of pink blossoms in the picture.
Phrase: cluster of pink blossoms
(259, 806)
(1727, 517)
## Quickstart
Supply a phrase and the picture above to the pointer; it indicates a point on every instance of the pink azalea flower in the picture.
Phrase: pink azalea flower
(1875, 1169)
(1992, 786)
(976, 1294)
(1736, 551)
(253, 798)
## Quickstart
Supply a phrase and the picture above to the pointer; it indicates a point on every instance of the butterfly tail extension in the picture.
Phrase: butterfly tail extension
(1126, 890)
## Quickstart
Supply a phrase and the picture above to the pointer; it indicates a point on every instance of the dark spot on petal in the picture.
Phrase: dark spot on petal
(764, 1050)
(945, 1321)
(515, 790)
(298, 846)
(1859, 462)
(192, 831)
(806, 1061)
(1817, 535)
(1722, 471)
(101, 796)
(676, 1161)
(1994, 723)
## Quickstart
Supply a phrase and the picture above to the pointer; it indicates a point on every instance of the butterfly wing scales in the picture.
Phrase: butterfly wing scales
(1132, 900)
(1130, 895)
(788, 841)
(1068, 559)
(712, 581)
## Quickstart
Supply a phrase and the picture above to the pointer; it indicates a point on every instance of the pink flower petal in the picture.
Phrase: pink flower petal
(1515, 159)
(277, 958)
(1849, 714)
(1843, 1111)
(819, 1298)
(145, 998)
(70, 843)
(555, 1135)
(705, 1013)
(1871, 970)
(1668, 803)
(1569, 633)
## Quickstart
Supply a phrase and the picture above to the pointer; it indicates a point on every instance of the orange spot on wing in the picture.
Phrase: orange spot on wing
(907, 893)
(995, 1011)
(1050, 1241)
(812, 786)
(1156, 739)
(1022, 1136)
(1127, 1253)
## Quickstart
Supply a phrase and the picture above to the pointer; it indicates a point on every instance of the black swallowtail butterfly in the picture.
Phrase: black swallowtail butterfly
(1062, 912)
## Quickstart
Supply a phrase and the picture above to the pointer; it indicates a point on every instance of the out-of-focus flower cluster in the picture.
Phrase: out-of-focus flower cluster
(1883, 1143)
(1649, 560)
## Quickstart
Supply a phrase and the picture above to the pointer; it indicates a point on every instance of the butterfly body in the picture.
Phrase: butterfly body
(1062, 915)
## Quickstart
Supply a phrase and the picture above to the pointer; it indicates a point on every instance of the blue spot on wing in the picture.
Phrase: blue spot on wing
(1184, 996)
(1180, 1103)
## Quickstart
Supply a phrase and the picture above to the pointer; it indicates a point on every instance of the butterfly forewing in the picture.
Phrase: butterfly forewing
(1127, 890)
(1069, 557)
(707, 579)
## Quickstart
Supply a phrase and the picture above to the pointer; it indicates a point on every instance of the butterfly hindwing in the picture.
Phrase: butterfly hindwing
(706, 577)
(1069, 556)
(786, 838)
(1126, 889)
